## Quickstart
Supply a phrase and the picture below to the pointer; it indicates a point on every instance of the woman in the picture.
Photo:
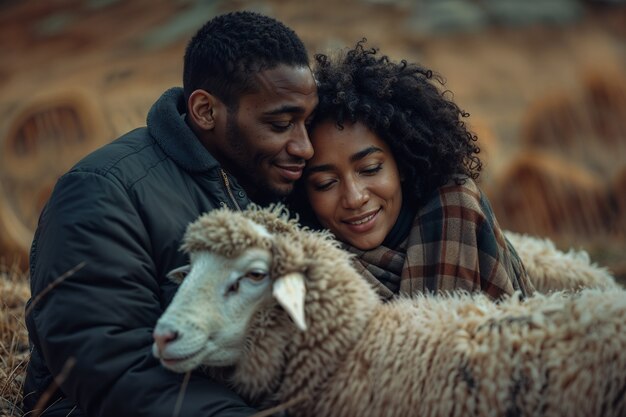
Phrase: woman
(392, 177)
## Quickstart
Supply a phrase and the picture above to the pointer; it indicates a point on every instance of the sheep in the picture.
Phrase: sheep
(282, 316)
(550, 269)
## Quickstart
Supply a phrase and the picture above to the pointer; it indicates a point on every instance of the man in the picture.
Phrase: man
(236, 133)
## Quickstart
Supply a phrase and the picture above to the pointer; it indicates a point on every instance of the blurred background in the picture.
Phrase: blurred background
(543, 80)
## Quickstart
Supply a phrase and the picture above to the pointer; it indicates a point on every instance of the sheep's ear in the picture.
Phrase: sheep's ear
(289, 291)
(177, 275)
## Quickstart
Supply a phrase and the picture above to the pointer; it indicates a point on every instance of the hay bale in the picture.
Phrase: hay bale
(605, 99)
(41, 141)
(548, 196)
(587, 127)
(618, 196)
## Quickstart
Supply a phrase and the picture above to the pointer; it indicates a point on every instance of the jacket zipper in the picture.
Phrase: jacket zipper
(230, 192)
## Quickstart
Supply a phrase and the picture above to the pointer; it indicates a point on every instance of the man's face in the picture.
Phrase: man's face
(265, 140)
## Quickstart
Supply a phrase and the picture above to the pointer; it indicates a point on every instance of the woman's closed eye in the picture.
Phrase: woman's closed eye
(372, 169)
(324, 185)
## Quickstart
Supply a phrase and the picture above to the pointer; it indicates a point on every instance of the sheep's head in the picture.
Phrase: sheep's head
(230, 276)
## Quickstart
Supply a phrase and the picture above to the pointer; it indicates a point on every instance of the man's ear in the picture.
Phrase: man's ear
(205, 109)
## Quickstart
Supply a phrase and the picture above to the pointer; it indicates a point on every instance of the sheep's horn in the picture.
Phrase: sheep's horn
(289, 291)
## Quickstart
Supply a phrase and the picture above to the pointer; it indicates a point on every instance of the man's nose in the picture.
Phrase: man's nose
(355, 194)
(299, 145)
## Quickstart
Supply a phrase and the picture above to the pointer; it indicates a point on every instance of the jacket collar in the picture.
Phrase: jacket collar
(166, 124)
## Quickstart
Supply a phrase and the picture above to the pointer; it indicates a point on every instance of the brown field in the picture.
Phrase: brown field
(14, 292)
(547, 100)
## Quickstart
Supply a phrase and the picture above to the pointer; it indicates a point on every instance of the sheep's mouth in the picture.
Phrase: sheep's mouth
(204, 356)
(172, 361)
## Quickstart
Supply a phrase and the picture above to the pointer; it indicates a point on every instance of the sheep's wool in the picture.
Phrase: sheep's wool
(458, 355)
(550, 269)
(553, 355)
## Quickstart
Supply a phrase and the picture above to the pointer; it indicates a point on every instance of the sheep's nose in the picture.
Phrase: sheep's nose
(163, 337)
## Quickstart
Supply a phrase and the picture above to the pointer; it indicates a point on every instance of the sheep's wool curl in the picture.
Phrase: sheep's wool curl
(221, 232)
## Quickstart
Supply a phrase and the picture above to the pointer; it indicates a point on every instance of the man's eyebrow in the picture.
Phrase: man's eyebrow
(285, 109)
(353, 158)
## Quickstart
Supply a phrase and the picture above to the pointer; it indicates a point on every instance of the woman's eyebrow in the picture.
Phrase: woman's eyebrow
(353, 158)
(318, 168)
(362, 154)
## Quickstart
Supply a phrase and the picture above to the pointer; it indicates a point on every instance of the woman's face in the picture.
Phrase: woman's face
(353, 183)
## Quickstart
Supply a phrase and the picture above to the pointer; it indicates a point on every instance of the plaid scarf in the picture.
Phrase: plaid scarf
(454, 243)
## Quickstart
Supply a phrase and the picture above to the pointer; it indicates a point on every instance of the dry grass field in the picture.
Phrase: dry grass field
(14, 292)
(547, 99)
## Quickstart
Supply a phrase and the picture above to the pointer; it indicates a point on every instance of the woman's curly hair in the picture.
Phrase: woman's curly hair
(403, 106)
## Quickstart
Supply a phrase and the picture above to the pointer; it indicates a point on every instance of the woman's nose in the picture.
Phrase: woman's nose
(355, 195)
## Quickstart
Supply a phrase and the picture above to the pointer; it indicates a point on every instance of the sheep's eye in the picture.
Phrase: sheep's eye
(256, 275)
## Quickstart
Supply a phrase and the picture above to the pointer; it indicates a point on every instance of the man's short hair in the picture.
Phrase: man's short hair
(229, 48)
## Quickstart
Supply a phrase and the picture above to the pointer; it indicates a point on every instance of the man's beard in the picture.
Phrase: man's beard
(255, 185)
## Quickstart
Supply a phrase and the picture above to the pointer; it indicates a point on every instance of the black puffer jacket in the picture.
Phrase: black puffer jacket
(121, 213)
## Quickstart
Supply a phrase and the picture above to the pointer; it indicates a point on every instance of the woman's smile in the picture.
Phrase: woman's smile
(364, 222)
